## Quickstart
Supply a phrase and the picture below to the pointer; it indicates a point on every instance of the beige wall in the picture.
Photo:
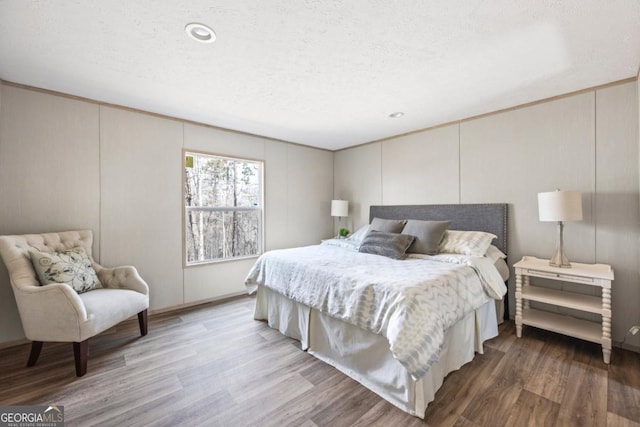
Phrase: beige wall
(587, 142)
(49, 175)
(358, 179)
(616, 203)
(403, 176)
(70, 164)
(140, 199)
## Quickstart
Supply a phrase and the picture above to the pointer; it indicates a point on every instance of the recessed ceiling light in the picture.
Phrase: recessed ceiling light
(200, 32)
(396, 114)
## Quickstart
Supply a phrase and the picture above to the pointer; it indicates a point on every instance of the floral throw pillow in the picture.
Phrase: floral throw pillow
(72, 267)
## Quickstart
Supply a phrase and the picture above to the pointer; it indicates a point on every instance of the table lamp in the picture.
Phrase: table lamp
(339, 208)
(560, 206)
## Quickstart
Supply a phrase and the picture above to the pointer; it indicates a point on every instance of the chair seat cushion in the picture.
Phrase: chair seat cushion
(108, 307)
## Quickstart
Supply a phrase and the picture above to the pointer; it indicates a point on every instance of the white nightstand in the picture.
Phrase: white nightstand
(600, 275)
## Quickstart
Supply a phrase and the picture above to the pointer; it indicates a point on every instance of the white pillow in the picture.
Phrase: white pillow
(359, 234)
(502, 268)
(494, 253)
(473, 243)
(341, 243)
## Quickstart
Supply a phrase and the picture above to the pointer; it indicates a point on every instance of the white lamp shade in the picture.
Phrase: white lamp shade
(560, 206)
(339, 208)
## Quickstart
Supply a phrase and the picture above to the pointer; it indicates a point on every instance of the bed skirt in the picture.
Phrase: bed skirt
(365, 356)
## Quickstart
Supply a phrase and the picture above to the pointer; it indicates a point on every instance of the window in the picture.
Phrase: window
(223, 208)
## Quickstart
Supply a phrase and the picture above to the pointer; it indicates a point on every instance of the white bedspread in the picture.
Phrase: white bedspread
(411, 302)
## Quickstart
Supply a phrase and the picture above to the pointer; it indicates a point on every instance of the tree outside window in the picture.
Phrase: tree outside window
(223, 207)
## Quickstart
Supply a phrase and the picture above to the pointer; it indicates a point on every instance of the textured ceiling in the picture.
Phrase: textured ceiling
(324, 73)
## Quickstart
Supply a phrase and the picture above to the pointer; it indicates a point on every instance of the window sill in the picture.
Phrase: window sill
(219, 261)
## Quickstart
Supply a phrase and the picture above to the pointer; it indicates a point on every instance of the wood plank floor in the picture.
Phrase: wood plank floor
(213, 365)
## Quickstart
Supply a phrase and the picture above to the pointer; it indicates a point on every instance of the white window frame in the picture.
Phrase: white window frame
(187, 209)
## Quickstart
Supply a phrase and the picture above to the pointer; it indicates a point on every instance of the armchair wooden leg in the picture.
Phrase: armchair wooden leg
(81, 354)
(142, 321)
(36, 346)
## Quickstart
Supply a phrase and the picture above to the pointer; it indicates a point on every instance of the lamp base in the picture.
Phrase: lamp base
(559, 259)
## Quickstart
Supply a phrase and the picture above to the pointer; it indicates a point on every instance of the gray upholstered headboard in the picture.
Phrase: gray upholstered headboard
(489, 217)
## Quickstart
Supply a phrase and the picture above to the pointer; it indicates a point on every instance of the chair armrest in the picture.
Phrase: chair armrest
(122, 278)
(56, 299)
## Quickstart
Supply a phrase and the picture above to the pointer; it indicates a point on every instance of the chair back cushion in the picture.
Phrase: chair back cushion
(15, 251)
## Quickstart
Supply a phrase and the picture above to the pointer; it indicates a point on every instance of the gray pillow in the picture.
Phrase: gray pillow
(392, 245)
(387, 225)
(428, 235)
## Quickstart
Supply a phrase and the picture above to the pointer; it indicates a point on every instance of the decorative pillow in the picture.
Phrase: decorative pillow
(494, 253)
(72, 267)
(392, 245)
(502, 268)
(387, 225)
(359, 234)
(473, 243)
(428, 235)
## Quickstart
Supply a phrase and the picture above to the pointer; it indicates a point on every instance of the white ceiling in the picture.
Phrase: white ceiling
(325, 73)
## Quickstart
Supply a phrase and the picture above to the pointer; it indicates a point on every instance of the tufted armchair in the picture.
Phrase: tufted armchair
(56, 312)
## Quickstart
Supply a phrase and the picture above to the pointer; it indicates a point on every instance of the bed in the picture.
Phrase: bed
(385, 335)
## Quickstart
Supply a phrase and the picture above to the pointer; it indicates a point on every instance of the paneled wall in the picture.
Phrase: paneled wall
(49, 175)
(70, 164)
(358, 179)
(587, 142)
(140, 199)
(403, 176)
